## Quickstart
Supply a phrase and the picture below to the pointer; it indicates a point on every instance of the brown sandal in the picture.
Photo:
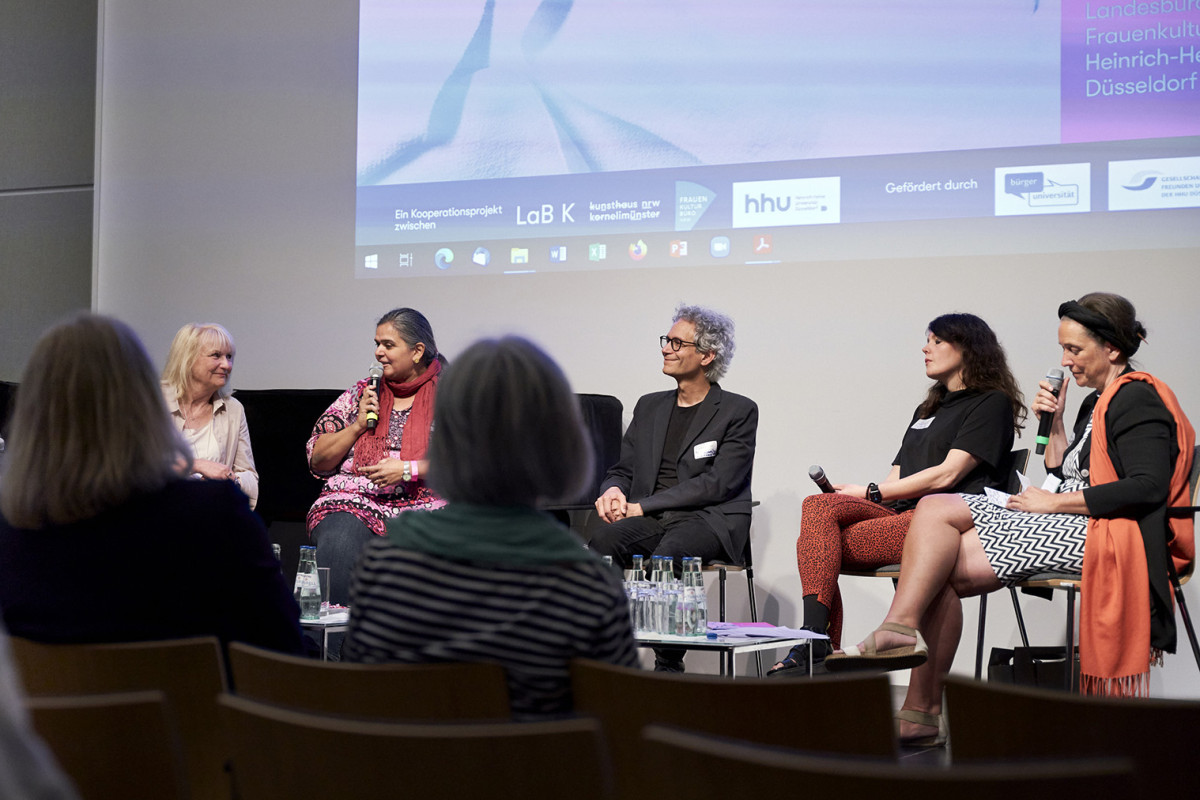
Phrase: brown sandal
(921, 718)
(869, 657)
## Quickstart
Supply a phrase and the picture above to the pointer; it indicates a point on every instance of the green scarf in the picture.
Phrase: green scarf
(514, 535)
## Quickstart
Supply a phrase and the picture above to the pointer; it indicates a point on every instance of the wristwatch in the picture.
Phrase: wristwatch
(873, 493)
(407, 474)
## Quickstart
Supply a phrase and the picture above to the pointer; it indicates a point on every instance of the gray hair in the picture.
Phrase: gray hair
(714, 334)
(507, 429)
(191, 340)
(90, 433)
(413, 329)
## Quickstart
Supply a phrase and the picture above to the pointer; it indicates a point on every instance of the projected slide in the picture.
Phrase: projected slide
(521, 136)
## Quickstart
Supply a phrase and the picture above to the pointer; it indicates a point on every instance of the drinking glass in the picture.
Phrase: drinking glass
(323, 577)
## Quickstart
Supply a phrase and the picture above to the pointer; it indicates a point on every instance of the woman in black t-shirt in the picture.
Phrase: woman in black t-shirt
(958, 441)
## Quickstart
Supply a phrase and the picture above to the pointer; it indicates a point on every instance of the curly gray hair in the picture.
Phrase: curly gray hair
(714, 334)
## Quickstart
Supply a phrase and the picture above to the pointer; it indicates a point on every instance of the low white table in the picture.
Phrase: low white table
(334, 623)
(726, 646)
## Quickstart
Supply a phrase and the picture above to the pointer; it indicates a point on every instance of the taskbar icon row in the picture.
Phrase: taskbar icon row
(518, 257)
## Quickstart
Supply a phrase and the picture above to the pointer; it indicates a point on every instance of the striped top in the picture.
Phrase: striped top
(532, 620)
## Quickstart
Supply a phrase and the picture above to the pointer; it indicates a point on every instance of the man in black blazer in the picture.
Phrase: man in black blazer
(682, 485)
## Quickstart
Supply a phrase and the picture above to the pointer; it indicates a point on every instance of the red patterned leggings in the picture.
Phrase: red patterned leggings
(840, 532)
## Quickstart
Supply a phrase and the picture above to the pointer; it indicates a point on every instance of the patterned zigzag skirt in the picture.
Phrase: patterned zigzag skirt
(1019, 544)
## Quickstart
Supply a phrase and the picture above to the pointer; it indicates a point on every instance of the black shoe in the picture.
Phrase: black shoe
(795, 663)
(668, 661)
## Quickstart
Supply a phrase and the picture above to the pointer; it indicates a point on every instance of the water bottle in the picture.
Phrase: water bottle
(308, 585)
(635, 572)
(670, 596)
(701, 611)
(683, 600)
(693, 604)
(649, 604)
(635, 579)
(658, 599)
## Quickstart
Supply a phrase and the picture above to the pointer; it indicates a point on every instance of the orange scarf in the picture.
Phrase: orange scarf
(1114, 610)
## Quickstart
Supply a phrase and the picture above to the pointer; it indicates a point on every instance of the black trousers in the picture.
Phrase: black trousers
(670, 533)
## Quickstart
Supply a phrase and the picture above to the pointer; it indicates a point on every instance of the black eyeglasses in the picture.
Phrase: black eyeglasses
(675, 343)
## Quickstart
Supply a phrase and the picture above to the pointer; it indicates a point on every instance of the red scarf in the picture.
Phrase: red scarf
(371, 447)
(1114, 609)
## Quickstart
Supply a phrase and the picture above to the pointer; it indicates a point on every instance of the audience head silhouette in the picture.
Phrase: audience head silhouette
(507, 430)
(89, 426)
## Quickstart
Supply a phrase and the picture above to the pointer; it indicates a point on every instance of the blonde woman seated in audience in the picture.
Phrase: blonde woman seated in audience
(102, 539)
(489, 577)
(195, 384)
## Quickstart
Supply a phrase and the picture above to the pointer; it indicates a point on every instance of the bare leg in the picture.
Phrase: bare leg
(942, 627)
(943, 621)
(931, 554)
(943, 561)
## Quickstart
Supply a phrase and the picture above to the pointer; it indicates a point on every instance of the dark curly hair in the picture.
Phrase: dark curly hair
(985, 366)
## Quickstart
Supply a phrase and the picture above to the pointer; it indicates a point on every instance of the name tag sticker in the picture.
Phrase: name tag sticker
(704, 450)
(921, 424)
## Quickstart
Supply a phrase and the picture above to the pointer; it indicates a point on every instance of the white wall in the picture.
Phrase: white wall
(225, 175)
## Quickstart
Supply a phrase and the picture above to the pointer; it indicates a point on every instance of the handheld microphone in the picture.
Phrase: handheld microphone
(818, 476)
(374, 377)
(1055, 378)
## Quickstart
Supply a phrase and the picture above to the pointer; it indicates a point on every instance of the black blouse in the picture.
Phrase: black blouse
(979, 423)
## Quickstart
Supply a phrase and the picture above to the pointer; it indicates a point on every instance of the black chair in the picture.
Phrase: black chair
(602, 418)
(8, 397)
(280, 421)
(747, 568)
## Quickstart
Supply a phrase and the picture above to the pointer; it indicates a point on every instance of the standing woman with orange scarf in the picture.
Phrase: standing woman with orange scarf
(374, 475)
(1127, 462)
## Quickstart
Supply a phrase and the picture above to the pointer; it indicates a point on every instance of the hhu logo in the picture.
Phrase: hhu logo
(797, 201)
(768, 205)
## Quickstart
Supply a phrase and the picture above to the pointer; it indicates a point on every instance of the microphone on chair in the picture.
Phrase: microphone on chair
(374, 377)
(1055, 378)
(818, 476)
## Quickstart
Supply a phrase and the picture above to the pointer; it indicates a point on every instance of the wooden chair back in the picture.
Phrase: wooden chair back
(113, 746)
(189, 672)
(371, 691)
(831, 714)
(279, 752)
(990, 721)
(688, 766)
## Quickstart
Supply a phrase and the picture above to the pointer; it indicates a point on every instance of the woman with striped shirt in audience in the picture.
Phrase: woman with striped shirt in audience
(488, 577)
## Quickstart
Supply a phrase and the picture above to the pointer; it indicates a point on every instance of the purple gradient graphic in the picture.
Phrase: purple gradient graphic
(1130, 70)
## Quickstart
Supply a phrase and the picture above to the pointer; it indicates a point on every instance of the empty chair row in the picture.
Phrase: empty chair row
(176, 709)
